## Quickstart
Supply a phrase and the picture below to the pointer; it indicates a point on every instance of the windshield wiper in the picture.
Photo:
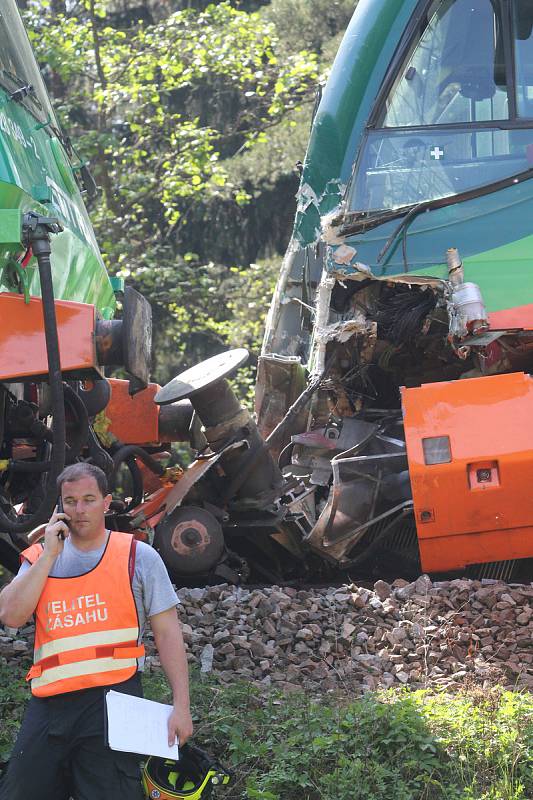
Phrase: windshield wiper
(409, 213)
(413, 212)
(361, 221)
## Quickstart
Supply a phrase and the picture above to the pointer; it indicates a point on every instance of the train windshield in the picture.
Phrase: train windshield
(455, 116)
(18, 67)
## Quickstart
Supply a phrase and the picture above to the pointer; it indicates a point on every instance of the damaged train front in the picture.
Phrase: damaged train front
(401, 331)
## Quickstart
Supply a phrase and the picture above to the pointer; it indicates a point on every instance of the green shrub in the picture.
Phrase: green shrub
(397, 745)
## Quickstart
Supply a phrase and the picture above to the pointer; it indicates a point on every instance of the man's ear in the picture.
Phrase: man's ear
(107, 501)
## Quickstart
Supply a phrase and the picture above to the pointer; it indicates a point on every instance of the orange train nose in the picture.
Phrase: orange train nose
(470, 452)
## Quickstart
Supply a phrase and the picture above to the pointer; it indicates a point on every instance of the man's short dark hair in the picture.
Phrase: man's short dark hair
(75, 472)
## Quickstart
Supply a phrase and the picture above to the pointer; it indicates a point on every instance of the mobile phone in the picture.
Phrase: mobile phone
(61, 510)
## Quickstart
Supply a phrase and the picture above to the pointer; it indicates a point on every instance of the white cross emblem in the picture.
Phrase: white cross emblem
(436, 153)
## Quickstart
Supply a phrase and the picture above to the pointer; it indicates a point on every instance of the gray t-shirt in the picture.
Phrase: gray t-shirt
(152, 589)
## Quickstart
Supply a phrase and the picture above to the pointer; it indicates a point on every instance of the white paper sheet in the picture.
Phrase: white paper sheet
(135, 725)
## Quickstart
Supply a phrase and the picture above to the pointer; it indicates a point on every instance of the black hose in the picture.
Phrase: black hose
(129, 450)
(137, 493)
(41, 249)
(79, 439)
(127, 455)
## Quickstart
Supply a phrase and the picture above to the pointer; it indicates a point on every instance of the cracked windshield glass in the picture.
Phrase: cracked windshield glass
(456, 75)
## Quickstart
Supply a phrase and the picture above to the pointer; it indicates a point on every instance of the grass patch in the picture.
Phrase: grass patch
(14, 693)
(393, 745)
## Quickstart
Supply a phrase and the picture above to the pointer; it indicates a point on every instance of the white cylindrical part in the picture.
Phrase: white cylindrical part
(469, 304)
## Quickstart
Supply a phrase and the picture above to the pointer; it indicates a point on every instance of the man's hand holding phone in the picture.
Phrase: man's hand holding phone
(56, 531)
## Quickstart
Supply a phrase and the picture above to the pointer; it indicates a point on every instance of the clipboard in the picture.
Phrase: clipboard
(136, 725)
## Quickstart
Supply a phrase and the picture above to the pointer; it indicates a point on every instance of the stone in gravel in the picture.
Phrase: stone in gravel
(423, 584)
(405, 592)
(506, 598)
(269, 628)
(397, 635)
(360, 597)
(401, 676)
(305, 633)
(258, 649)
(382, 589)
(221, 636)
(196, 594)
(226, 649)
(387, 680)
(347, 629)
(19, 646)
(390, 606)
(206, 658)
(241, 662)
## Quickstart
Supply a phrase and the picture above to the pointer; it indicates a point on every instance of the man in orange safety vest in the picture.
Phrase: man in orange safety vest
(91, 591)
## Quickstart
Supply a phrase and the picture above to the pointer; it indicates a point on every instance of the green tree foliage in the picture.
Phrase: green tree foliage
(160, 103)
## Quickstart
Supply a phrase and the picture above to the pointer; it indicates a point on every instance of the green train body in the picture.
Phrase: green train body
(408, 281)
(491, 232)
(36, 173)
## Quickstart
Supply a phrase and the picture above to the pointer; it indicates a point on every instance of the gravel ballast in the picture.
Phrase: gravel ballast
(419, 634)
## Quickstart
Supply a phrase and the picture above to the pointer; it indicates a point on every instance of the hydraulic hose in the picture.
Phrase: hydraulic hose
(137, 484)
(79, 438)
(129, 450)
(127, 455)
(36, 233)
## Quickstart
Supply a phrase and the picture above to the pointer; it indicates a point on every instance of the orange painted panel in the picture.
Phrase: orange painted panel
(22, 342)
(486, 486)
(134, 420)
(455, 552)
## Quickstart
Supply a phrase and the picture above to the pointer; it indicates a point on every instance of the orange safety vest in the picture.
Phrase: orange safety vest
(86, 627)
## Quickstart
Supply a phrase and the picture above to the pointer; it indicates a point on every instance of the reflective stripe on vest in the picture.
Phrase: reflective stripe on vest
(84, 640)
(86, 627)
(80, 669)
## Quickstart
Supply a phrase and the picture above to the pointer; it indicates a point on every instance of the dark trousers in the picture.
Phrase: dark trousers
(61, 752)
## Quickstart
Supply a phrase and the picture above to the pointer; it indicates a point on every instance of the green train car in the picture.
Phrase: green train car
(407, 293)
(57, 302)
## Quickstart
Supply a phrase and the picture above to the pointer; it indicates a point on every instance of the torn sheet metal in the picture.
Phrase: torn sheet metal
(306, 197)
(331, 227)
(353, 503)
(323, 302)
(314, 208)
(316, 448)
